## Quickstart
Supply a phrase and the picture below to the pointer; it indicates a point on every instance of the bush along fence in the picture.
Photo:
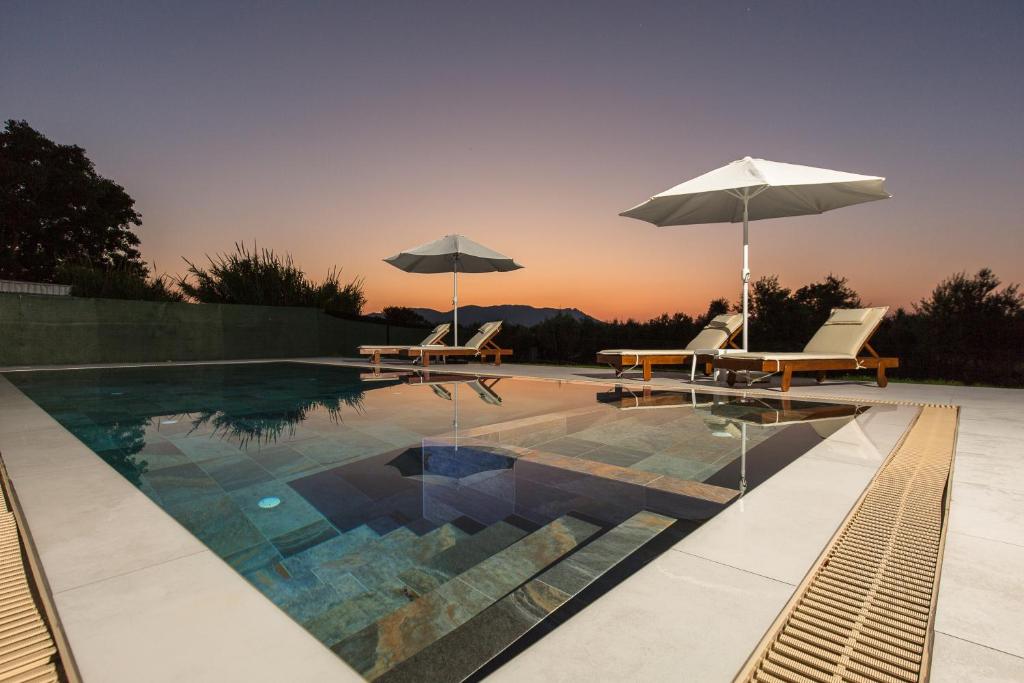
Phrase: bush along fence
(44, 330)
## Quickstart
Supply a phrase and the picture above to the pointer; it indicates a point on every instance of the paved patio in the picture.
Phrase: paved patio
(720, 587)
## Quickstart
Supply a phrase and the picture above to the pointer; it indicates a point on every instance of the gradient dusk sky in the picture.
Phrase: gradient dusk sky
(345, 132)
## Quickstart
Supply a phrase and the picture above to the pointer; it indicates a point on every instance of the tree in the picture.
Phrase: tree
(716, 307)
(401, 315)
(962, 298)
(55, 207)
(816, 301)
(970, 330)
(821, 297)
(773, 316)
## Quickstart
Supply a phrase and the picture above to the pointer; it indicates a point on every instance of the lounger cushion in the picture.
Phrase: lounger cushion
(848, 316)
(793, 355)
(717, 332)
(487, 330)
(640, 353)
(714, 336)
(436, 335)
(842, 335)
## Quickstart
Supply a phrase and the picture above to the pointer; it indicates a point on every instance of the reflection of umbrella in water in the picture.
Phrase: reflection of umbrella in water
(447, 461)
(409, 462)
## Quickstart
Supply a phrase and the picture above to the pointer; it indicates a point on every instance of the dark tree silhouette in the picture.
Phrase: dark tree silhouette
(970, 330)
(55, 207)
(400, 315)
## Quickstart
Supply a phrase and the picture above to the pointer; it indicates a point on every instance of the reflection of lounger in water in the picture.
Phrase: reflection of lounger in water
(482, 386)
(440, 391)
(732, 418)
(486, 391)
(625, 398)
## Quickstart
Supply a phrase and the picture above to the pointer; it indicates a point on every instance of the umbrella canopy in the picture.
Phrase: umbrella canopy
(452, 254)
(752, 189)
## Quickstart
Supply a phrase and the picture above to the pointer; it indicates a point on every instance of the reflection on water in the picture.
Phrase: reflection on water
(113, 410)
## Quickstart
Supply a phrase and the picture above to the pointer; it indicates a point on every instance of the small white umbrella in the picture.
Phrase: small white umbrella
(452, 254)
(752, 189)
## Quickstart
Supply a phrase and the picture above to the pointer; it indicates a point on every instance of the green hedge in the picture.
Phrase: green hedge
(50, 330)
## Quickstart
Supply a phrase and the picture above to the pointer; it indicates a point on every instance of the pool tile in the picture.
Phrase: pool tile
(283, 462)
(569, 445)
(201, 448)
(409, 629)
(330, 495)
(502, 572)
(160, 453)
(299, 593)
(216, 521)
(253, 558)
(290, 514)
(235, 472)
(473, 549)
(182, 483)
(337, 622)
(304, 538)
(622, 456)
(458, 654)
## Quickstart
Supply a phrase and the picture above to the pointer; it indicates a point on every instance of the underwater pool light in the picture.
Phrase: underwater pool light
(269, 502)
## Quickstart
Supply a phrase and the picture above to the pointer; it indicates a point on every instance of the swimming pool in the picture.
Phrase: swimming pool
(420, 524)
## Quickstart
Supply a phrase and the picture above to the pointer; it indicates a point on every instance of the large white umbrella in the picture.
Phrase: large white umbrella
(452, 254)
(752, 189)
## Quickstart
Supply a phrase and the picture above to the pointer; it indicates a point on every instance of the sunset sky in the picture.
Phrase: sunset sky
(345, 132)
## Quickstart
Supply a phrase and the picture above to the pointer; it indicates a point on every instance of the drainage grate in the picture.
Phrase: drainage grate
(865, 611)
(27, 650)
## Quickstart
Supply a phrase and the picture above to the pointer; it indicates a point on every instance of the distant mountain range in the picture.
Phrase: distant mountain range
(513, 314)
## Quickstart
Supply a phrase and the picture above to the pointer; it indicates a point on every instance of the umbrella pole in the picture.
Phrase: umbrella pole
(746, 269)
(743, 459)
(455, 300)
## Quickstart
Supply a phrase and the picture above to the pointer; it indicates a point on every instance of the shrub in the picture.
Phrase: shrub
(262, 278)
(127, 281)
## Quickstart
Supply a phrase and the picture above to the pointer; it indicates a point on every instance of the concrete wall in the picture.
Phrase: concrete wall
(45, 330)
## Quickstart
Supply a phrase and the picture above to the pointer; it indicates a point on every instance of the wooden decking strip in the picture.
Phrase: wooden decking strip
(27, 649)
(865, 612)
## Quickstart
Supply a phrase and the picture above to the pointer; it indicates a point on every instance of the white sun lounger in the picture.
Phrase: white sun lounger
(376, 351)
(717, 334)
(837, 345)
(480, 345)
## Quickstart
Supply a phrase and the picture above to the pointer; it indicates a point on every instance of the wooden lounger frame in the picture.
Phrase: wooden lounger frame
(375, 352)
(379, 351)
(488, 348)
(820, 366)
(618, 363)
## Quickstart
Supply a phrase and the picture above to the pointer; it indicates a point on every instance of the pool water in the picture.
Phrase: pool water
(419, 524)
